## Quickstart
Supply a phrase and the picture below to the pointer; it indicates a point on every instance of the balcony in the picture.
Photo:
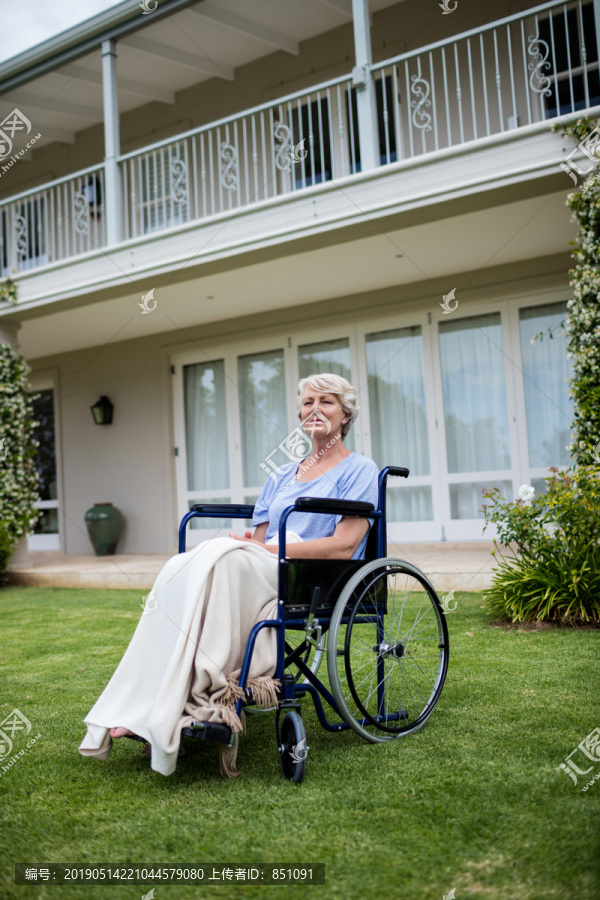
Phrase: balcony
(523, 70)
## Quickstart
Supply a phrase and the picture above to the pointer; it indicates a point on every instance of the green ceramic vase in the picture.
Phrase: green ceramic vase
(105, 525)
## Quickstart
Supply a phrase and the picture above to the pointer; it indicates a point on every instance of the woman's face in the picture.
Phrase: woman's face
(321, 413)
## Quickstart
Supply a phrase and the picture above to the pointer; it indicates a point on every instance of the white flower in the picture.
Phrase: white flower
(526, 492)
(551, 527)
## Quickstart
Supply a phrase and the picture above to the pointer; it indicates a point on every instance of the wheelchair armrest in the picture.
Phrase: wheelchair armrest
(229, 510)
(338, 507)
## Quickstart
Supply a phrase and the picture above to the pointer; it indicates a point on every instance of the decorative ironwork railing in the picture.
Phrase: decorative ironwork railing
(525, 68)
(534, 65)
(294, 142)
(61, 219)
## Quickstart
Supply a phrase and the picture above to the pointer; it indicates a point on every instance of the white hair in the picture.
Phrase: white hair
(329, 383)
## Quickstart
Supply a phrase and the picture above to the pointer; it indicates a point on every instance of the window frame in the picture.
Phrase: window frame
(441, 527)
(43, 380)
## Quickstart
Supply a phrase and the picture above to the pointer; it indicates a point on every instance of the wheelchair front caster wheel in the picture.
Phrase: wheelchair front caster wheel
(293, 747)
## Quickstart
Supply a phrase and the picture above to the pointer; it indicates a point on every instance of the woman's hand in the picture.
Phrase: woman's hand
(248, 539)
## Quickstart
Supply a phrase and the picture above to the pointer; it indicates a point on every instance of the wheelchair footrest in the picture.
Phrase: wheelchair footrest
(209, 731)
(136, 737)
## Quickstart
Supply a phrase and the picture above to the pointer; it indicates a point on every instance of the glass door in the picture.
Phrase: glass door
(398, 426)
(262, 416)
(547, 371)
(328, 356)
(206, 442)
(476, 423)
(230, 415)
(46, 532)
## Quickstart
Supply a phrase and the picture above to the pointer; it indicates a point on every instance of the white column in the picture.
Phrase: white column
(365, 88)
(112, 177)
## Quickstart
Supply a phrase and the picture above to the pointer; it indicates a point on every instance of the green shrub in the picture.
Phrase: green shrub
(18, 475)
(7, 546)
(553, 570)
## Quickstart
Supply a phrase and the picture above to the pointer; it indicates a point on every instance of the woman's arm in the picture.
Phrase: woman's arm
(341, 545)
(260, 532)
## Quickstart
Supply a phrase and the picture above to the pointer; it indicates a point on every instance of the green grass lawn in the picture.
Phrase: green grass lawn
(474, 801)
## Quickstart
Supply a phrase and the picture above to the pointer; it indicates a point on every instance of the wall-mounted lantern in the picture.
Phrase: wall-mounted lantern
(102, 411)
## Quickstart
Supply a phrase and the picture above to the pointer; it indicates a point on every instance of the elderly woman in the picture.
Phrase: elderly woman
(184, 660)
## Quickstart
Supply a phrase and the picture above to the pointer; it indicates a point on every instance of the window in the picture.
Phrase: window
(578, 87)
(398, 417)
(475, 410)
(45, 534)
(311, 128)
(385, 112)
(164, 205)
(3, 242)
(22, 233)
(546, 373)
(206, 436)
(263, 414)
(327, 356)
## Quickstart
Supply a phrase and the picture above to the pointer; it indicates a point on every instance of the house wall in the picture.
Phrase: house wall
(131, 462)
(396, 29)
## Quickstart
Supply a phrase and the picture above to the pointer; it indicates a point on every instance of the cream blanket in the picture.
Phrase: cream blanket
(185, 656)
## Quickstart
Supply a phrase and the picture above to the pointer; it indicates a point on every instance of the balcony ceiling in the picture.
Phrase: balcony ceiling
(206, 39)
(453, 252)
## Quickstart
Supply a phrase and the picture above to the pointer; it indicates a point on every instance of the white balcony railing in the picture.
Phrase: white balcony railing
(292, 143)
(528, 67)
(525, 68)
(62, 219)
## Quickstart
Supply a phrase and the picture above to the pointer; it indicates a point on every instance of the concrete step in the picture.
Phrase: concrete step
(460, 566)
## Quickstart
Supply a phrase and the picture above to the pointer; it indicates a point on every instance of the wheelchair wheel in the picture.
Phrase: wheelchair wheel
(310, 655)
(293, 747)
(387, 653)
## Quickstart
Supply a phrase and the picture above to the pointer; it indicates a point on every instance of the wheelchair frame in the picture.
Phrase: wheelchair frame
(364, 601)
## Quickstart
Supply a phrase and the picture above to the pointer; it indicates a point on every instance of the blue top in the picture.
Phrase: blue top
(354, 478)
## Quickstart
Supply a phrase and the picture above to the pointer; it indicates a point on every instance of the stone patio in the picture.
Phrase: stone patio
(464, 566)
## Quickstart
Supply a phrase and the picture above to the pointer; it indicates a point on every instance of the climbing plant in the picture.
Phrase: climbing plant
(583, 317)
(8, 290)
(18, 475)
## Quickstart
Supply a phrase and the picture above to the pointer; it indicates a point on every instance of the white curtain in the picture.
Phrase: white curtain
(328, 356)
(398, 416)
(546, 372)
(263, 419)
(466, 499)
(474, 392)
(206, 426)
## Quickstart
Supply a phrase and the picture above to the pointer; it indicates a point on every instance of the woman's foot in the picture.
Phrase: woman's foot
(119, 732)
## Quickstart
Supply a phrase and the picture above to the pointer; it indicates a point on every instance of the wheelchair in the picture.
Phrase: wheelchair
(377, 622)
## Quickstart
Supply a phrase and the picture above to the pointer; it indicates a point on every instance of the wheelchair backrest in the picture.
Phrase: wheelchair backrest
(371, 545)
(298, 578)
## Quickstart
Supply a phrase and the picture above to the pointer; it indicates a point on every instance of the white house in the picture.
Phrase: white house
(218, 197)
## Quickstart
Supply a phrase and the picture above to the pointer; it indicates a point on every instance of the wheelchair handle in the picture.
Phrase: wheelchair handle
(400, 471)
